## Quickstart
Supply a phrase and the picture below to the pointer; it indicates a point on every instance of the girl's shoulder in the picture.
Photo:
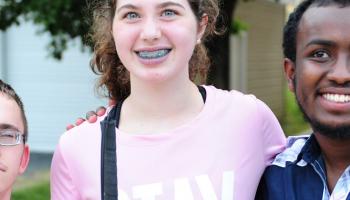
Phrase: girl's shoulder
(233, 101)
(231, 96)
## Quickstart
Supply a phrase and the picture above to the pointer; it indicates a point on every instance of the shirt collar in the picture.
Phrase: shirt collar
(311, 150)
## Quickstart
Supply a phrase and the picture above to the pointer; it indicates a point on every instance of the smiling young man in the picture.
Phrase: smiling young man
(317, 66)
(14, 153)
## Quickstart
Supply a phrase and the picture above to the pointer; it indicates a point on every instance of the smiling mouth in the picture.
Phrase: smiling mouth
(153, 54)
(337, 98)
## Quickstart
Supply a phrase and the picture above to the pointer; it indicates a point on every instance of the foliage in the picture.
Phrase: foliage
(38, 191)
(237, 26)
(293, 121)
(63, 19)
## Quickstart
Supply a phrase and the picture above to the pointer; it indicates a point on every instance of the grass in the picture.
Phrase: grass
(38, 191)
(293, 122)
(32, 187)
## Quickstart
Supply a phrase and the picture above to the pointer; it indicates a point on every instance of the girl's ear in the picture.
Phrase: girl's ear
(202, 26)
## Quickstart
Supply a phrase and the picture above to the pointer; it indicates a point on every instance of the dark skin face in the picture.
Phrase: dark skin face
(320, 79)
(322, 67)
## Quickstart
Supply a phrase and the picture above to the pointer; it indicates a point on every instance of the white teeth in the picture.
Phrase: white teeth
(153, 54)
(339, 98)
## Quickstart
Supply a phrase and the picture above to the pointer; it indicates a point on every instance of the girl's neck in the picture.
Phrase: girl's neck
(162, 98)
(160, 107)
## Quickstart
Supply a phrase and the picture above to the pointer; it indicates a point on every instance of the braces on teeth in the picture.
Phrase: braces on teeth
(153, 54)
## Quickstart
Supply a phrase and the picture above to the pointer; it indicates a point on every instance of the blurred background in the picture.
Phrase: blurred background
(45, 54)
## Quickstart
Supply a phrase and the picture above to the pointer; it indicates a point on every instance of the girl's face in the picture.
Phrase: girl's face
(155, 39)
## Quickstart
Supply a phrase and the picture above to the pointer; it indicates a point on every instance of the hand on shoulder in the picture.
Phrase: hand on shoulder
(91, 116)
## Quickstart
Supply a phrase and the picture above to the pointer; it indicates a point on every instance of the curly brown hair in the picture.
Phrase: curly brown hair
(105, 62)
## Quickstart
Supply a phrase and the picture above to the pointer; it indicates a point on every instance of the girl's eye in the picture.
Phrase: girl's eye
(168, 13)
(131, 15)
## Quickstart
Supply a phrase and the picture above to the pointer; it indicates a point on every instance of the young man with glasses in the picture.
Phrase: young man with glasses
(14, 152)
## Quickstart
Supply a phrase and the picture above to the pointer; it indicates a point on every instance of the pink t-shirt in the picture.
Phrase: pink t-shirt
(219, 155)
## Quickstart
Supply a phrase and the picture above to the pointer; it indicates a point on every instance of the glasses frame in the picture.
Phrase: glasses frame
(20, 138)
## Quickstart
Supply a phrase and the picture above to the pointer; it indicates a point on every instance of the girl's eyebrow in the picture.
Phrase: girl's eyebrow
(170, 3)
(162, 5)
(8, 127)
(127, 6)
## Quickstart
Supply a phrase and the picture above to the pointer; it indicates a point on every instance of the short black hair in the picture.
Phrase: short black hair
(291, 27)
(7, 90)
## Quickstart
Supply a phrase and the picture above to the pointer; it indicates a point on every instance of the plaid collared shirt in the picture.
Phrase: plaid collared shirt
(298, 173)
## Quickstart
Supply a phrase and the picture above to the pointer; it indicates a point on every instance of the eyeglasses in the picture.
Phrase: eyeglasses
(11, 138)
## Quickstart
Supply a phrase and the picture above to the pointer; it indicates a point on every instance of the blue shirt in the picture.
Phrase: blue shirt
(299, 173)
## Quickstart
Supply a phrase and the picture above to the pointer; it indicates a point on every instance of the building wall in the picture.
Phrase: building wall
(2, 55)
(264, 75)
(54, 92)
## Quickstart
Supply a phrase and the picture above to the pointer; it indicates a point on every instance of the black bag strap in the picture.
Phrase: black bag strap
(109, 180)
(203, 92)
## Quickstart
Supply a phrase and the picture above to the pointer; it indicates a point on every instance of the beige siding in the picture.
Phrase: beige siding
(265, 59)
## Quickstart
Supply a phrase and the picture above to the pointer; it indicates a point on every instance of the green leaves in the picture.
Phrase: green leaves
(237, 26)
(62, 19)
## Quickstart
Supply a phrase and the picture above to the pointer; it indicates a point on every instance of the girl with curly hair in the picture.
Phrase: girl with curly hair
(166, 138)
